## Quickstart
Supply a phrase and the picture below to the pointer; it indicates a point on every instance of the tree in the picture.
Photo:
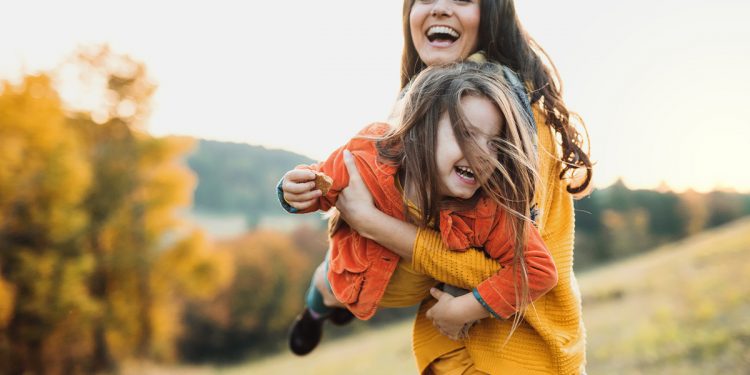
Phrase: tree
(43, 180)
(94, 265)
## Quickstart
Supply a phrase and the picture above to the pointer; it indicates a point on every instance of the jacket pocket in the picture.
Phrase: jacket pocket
(348, 265)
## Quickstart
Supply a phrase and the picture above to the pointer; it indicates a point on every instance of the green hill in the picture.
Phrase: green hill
(235, 178)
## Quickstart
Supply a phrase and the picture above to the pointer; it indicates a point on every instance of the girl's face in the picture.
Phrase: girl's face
(444, 31)
(456, 178)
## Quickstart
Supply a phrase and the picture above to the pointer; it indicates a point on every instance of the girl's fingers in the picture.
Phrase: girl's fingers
(309, 196)
(297, 187)
(302, 205)
(299, 175)
(298, 181)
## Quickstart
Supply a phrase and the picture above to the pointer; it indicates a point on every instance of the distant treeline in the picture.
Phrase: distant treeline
(240, 178)
(617, 222)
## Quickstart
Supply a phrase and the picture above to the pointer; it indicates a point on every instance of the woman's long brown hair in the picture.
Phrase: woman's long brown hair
(503, 40)
(507, 174)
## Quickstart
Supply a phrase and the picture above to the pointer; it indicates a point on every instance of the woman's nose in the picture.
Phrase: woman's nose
(442, 8)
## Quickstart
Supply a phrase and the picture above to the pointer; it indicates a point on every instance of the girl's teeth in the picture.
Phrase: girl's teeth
(465, 172)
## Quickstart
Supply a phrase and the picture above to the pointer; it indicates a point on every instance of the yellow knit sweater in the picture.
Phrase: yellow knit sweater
(551, 339)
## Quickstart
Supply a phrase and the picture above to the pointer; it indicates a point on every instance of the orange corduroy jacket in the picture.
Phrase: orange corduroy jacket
(360, 269)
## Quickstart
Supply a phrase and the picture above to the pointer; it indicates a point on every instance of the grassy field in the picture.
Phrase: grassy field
(681, 309)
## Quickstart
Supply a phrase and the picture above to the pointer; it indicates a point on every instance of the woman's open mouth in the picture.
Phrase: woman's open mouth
(442, 36)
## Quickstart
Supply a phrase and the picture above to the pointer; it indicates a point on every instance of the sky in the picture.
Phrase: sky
(661, 85)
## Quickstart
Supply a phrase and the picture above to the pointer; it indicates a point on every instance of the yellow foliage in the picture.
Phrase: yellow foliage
(7, 302)
(191, 269)
(43, 169)
(96, 267)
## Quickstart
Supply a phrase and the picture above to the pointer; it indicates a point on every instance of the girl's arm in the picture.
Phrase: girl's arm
(499, 293)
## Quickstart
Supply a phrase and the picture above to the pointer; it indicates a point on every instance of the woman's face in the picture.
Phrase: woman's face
(444, 31)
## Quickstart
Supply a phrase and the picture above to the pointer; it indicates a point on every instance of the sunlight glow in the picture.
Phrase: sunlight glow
(663, 98)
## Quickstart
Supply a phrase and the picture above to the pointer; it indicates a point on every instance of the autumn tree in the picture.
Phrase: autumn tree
(147, 264)
(273, 270)
(44, 179)
(95, 266)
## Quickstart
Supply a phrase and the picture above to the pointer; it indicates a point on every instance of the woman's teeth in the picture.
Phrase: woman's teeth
(442, 32)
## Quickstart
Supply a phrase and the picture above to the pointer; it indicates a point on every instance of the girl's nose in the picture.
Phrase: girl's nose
(442, 8)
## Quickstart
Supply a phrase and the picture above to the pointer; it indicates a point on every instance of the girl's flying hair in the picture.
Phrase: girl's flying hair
(507, 174)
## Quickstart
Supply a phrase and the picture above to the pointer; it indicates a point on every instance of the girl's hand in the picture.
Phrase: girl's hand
(355, 202)
(447, 316)
(299, 188)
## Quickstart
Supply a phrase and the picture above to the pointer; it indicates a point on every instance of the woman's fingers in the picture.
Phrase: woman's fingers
(437, 293)
(355, 202)
(351, 167)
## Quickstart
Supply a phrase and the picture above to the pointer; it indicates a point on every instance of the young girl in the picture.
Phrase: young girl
(462, 160)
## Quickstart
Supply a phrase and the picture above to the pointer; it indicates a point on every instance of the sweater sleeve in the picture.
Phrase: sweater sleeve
(492, 281)
(464, 269)
(500, 293)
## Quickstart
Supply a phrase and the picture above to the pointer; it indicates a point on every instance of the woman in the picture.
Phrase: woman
(550, 339)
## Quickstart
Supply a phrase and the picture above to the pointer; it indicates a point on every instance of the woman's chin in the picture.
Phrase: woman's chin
(437, 57)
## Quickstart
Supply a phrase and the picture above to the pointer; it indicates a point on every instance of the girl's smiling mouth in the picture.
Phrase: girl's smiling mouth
(465, 174)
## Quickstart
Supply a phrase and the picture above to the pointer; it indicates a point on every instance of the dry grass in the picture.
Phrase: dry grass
(682, 309)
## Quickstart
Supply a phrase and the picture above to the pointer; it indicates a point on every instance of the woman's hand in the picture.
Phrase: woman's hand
(356, 206)
(444, 316)
(453, 316)
(299, 188)
(355, 202)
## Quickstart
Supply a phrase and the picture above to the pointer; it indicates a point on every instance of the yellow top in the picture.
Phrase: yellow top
(551, 338)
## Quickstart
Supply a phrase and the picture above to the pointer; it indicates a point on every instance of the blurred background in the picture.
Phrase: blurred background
(141, 141)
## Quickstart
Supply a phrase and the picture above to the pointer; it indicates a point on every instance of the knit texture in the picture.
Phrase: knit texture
(551, 337)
